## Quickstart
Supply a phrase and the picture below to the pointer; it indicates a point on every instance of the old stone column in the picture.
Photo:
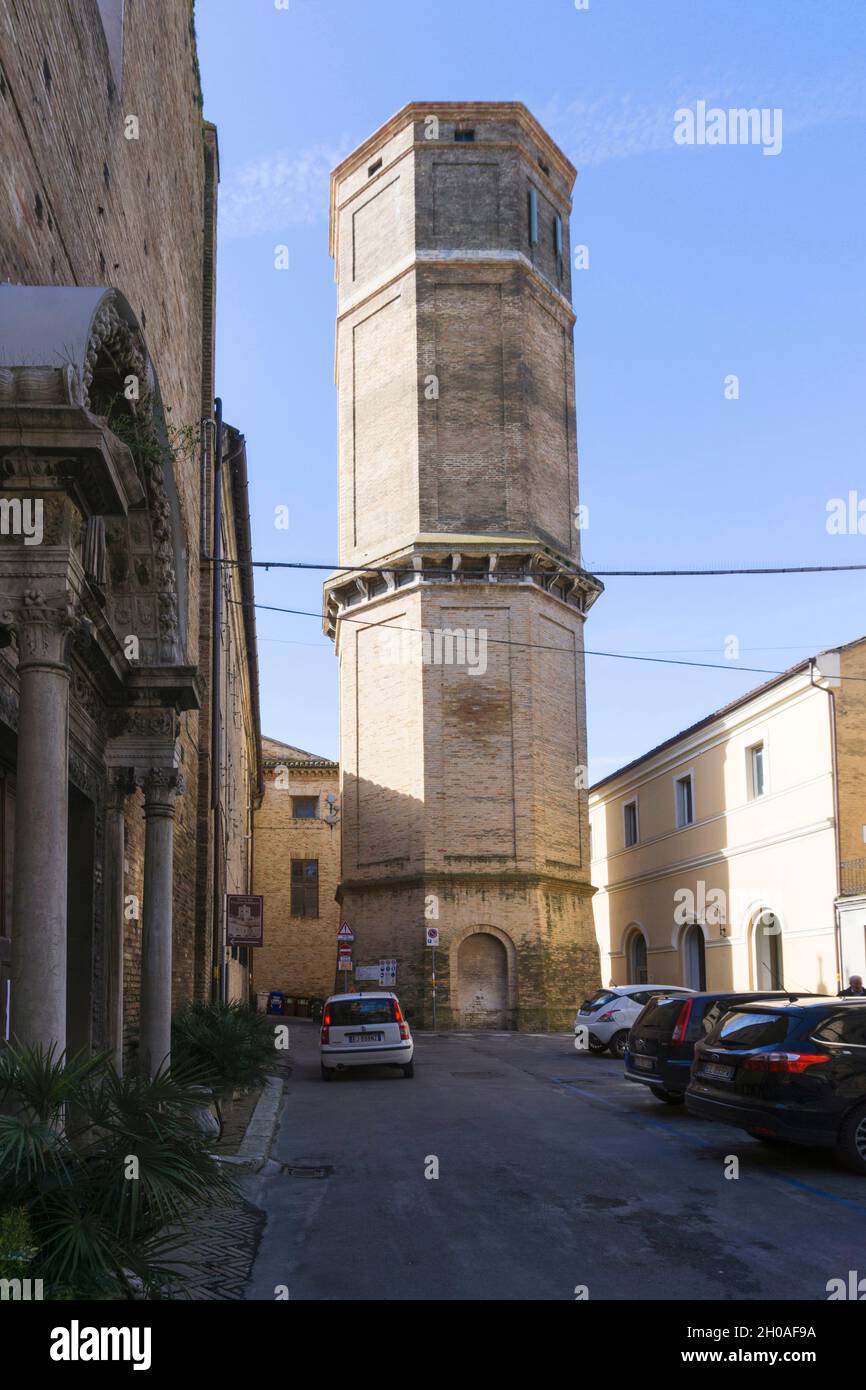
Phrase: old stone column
(161, 787)
(115, 849)
(38, 1010)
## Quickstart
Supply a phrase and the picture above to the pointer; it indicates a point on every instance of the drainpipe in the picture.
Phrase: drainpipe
(216, 676)
(835, 772)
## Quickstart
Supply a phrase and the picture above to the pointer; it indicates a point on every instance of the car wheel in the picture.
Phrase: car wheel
(595, 1045)
(618, 1042)
(669, 1097)
(851, 1143)
(409, 1069)
(327, 1074)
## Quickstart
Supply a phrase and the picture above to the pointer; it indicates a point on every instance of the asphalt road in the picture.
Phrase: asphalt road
(554, 1173)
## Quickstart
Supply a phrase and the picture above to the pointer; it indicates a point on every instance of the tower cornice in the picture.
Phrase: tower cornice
(461, 111)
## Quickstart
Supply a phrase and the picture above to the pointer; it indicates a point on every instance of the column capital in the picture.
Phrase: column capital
(42, 620)
(120, 782)
(161, 786)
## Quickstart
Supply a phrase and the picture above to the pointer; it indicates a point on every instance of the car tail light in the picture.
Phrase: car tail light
(326, 1025)
(609, 1016)
(682, 1023)
(398, 1017)
(785, 1063)
(404, 1031)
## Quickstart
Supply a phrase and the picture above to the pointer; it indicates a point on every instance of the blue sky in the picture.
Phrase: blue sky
(704, 261)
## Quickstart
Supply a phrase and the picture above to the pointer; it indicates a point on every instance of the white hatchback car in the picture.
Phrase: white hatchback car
(609, 1014)
(365, 1030)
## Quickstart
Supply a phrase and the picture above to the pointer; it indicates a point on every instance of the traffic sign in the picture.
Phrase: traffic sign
(432, 936)
(345, 933)
(387, 972)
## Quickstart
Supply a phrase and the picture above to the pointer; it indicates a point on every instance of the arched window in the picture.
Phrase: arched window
(694, 958)
(768, 955)
(637, 966)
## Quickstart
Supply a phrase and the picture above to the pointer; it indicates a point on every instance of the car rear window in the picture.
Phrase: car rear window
(849, 1028)
(601, 996)
(662, 1012)
(743, 1029)
(345, 1012)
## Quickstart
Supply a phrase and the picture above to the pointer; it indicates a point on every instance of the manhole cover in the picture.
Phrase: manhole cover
(300, 1170)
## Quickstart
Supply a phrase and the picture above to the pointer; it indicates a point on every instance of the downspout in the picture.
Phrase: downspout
(216, 676)
(837, 933)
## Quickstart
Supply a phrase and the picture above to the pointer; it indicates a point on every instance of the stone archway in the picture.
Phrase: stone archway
(484, 981)
(84, 442)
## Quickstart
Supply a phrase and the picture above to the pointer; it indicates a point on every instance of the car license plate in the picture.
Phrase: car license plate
(718, 1070)
(644, 1063)
(365, 1037)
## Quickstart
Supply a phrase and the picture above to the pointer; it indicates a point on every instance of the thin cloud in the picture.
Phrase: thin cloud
(604, 126)
(275, 191)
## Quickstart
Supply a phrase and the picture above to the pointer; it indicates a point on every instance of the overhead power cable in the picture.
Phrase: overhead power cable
(547, 573)
(540, 646)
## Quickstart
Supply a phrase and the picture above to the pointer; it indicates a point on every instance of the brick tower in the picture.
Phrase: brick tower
(458, 610)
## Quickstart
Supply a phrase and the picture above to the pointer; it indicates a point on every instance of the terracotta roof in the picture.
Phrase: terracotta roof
(274, 752)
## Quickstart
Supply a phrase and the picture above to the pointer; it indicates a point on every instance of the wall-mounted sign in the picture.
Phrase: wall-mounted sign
(432, 936)
(367, 972)
(245, 919)
(387, 972)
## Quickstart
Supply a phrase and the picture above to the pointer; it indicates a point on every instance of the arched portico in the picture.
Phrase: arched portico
(93, 598)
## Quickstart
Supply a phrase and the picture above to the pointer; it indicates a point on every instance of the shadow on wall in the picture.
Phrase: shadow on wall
(515, 950)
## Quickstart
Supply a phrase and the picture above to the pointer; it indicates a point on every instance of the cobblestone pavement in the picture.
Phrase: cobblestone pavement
(218, 1254)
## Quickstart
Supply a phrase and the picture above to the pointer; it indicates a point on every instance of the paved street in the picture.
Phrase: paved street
(553, 1172)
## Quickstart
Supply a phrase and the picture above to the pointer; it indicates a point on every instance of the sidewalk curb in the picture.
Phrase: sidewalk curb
(256, 1143)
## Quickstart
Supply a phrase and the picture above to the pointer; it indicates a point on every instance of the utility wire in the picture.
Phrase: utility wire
(548, 573)
(540, 646)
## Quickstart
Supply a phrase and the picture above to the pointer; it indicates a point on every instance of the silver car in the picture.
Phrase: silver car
(609, 1013)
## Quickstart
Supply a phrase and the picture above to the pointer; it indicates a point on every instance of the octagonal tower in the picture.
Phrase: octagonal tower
(459, 607)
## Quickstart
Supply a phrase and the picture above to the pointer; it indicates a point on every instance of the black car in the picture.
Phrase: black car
(661, 1042)
(793, 1070)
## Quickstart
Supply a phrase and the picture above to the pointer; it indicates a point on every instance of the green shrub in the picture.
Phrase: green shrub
(16, 1243)
(227, 1047)
(101, 1165)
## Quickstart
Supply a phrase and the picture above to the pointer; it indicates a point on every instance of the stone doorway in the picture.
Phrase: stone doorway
(482, 982)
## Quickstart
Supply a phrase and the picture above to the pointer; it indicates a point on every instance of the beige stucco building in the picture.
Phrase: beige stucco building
(297, 870)
(732, 855)
(458, 616)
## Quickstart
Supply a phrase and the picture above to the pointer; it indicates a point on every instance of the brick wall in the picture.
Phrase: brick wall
(299, 954)
(86, 206)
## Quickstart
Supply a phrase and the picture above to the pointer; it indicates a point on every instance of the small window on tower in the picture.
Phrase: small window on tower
(305, 807)
(464, 137)
(533, 217)
(545, 168)
(557, 234)
(376, 165)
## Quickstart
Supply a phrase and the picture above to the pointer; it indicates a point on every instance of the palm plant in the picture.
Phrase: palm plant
(227, 1047)
(102, 1166)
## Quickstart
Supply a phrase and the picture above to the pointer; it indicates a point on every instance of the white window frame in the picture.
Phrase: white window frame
(750, 769)
(629, 844)
(689, 777)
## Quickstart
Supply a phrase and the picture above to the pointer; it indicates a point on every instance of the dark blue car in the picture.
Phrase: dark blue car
(793, 1070)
